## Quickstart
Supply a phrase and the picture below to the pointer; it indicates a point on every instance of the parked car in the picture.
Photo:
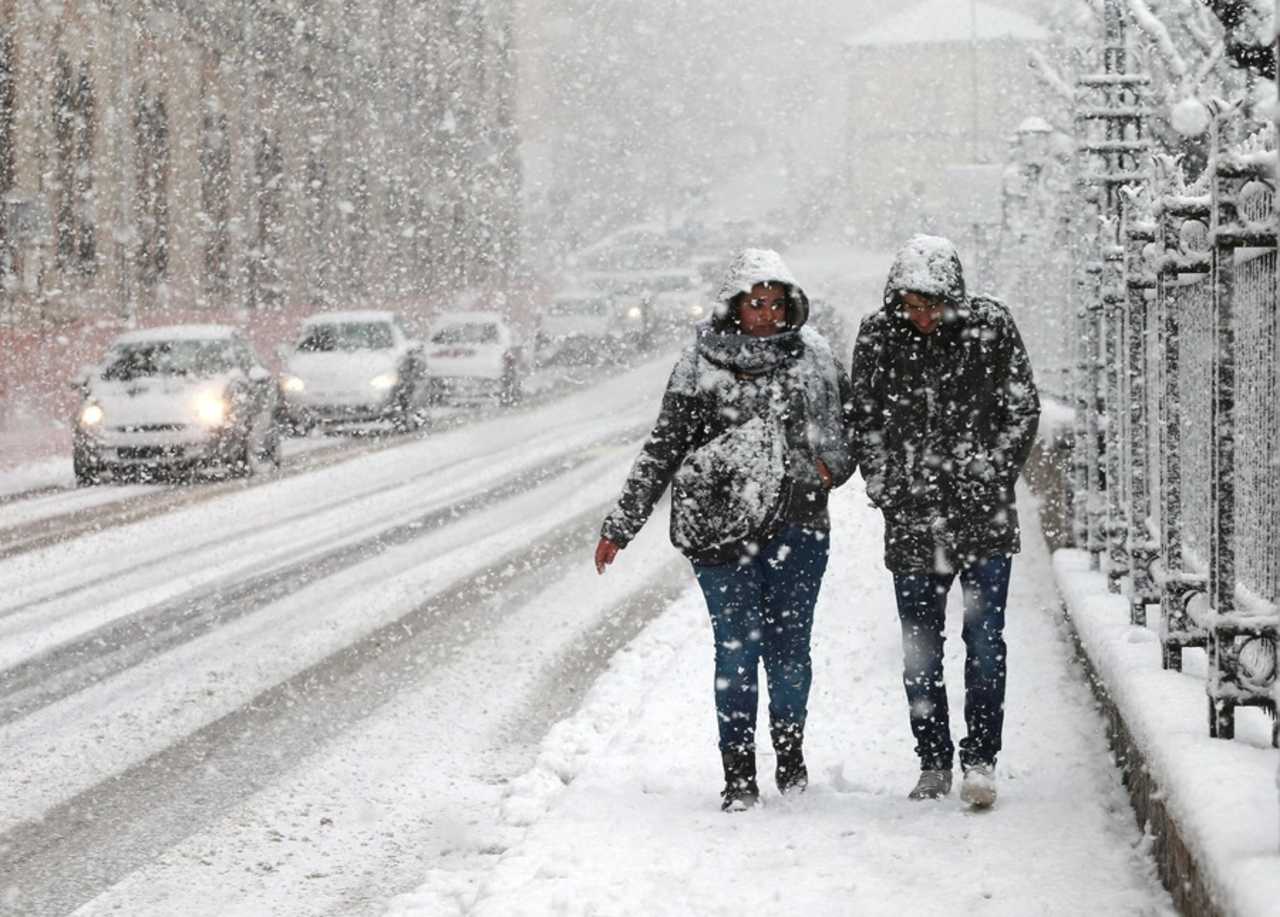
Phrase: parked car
(475, 355)
(355, 367)
(178, 397)
(585, 325)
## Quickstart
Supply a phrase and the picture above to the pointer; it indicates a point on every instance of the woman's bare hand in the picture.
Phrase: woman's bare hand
(606, 551)
(825, 473)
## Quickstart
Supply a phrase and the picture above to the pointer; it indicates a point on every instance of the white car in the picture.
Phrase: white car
(475, 355)
(181, 396)
(355, 367)
(590, 326)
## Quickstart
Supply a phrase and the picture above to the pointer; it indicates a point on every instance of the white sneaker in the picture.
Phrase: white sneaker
(978, 788)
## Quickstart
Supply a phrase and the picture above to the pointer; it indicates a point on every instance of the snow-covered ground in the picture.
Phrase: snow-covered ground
(141, 662)
(619, 815)
(394, 683)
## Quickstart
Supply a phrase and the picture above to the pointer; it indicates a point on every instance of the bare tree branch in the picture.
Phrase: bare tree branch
(1148, 22)
(1045, 70)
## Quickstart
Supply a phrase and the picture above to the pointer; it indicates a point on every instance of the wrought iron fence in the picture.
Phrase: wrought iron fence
(1178, 437)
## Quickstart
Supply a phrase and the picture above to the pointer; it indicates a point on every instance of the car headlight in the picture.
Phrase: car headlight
(696, 310)
(91, 415)
(211, 409)
(384, 381)
(293, 384)
(635, 313)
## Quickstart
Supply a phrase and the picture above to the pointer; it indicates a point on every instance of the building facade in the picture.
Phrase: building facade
(934, 93)
(252, 155)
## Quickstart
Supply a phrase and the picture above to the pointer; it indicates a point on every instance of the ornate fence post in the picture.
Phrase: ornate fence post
(1114, 335)
(1222, 558)
(1139, 232)
(1110, 115)
(1234, 627)
(1172, 207)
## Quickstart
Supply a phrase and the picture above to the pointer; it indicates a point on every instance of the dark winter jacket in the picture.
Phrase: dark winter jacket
(943, 422)
(743, 423)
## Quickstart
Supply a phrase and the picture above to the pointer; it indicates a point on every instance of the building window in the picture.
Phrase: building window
(7, 158)
(75, 233)
(151, 126)
(265, 288)
(319, 253)
(215, 202)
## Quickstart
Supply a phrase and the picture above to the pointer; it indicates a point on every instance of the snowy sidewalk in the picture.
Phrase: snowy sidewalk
(620, 815)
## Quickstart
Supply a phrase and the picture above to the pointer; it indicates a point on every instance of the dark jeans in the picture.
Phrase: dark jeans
(763, 609)
(922, 603)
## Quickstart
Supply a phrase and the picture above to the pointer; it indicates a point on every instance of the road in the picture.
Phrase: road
(289, 696)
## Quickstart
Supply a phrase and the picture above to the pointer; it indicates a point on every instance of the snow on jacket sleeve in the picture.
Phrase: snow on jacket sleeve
(673, 436)
(867, 410)
(843, 465)
(1018, 403)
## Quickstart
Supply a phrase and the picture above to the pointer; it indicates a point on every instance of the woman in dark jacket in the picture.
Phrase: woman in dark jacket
(752, 435)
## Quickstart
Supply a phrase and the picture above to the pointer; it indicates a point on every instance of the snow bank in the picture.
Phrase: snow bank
(1220, 794)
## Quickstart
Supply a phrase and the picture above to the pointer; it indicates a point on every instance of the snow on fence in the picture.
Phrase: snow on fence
(1178, 428)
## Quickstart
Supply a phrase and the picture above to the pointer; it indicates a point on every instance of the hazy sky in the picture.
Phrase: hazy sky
(632, 109)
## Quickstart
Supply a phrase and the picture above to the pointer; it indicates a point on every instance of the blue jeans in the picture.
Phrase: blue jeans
(763, 609)
(922, 603)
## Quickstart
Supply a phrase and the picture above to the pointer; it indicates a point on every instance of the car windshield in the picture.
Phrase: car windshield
(169, 358)
(332, 336)
(468, 333)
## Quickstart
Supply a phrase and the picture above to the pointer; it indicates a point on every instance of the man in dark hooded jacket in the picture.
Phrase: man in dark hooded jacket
(945, 414)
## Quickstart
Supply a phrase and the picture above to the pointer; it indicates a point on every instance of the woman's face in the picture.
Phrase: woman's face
(763, 311)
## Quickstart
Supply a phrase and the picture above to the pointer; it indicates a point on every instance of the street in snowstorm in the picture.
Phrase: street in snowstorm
(582, 457)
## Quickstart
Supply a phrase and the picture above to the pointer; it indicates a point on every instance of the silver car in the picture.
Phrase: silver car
(178, 397)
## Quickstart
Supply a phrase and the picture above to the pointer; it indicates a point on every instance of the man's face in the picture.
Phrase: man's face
(763, 311)
(922, 311)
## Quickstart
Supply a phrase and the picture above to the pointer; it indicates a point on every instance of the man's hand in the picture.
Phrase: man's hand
(606, 551)
(825, 473)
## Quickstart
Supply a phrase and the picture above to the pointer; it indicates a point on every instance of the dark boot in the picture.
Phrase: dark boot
(788, 742)
(740, 790)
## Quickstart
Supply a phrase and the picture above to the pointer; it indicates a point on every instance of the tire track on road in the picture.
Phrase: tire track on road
(126, 642)
(89, 842)
(317, 509)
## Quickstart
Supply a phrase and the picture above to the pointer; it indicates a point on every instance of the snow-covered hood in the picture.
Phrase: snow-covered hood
(928, 265)
(761, 265)
(345, 370)
(156, 399)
